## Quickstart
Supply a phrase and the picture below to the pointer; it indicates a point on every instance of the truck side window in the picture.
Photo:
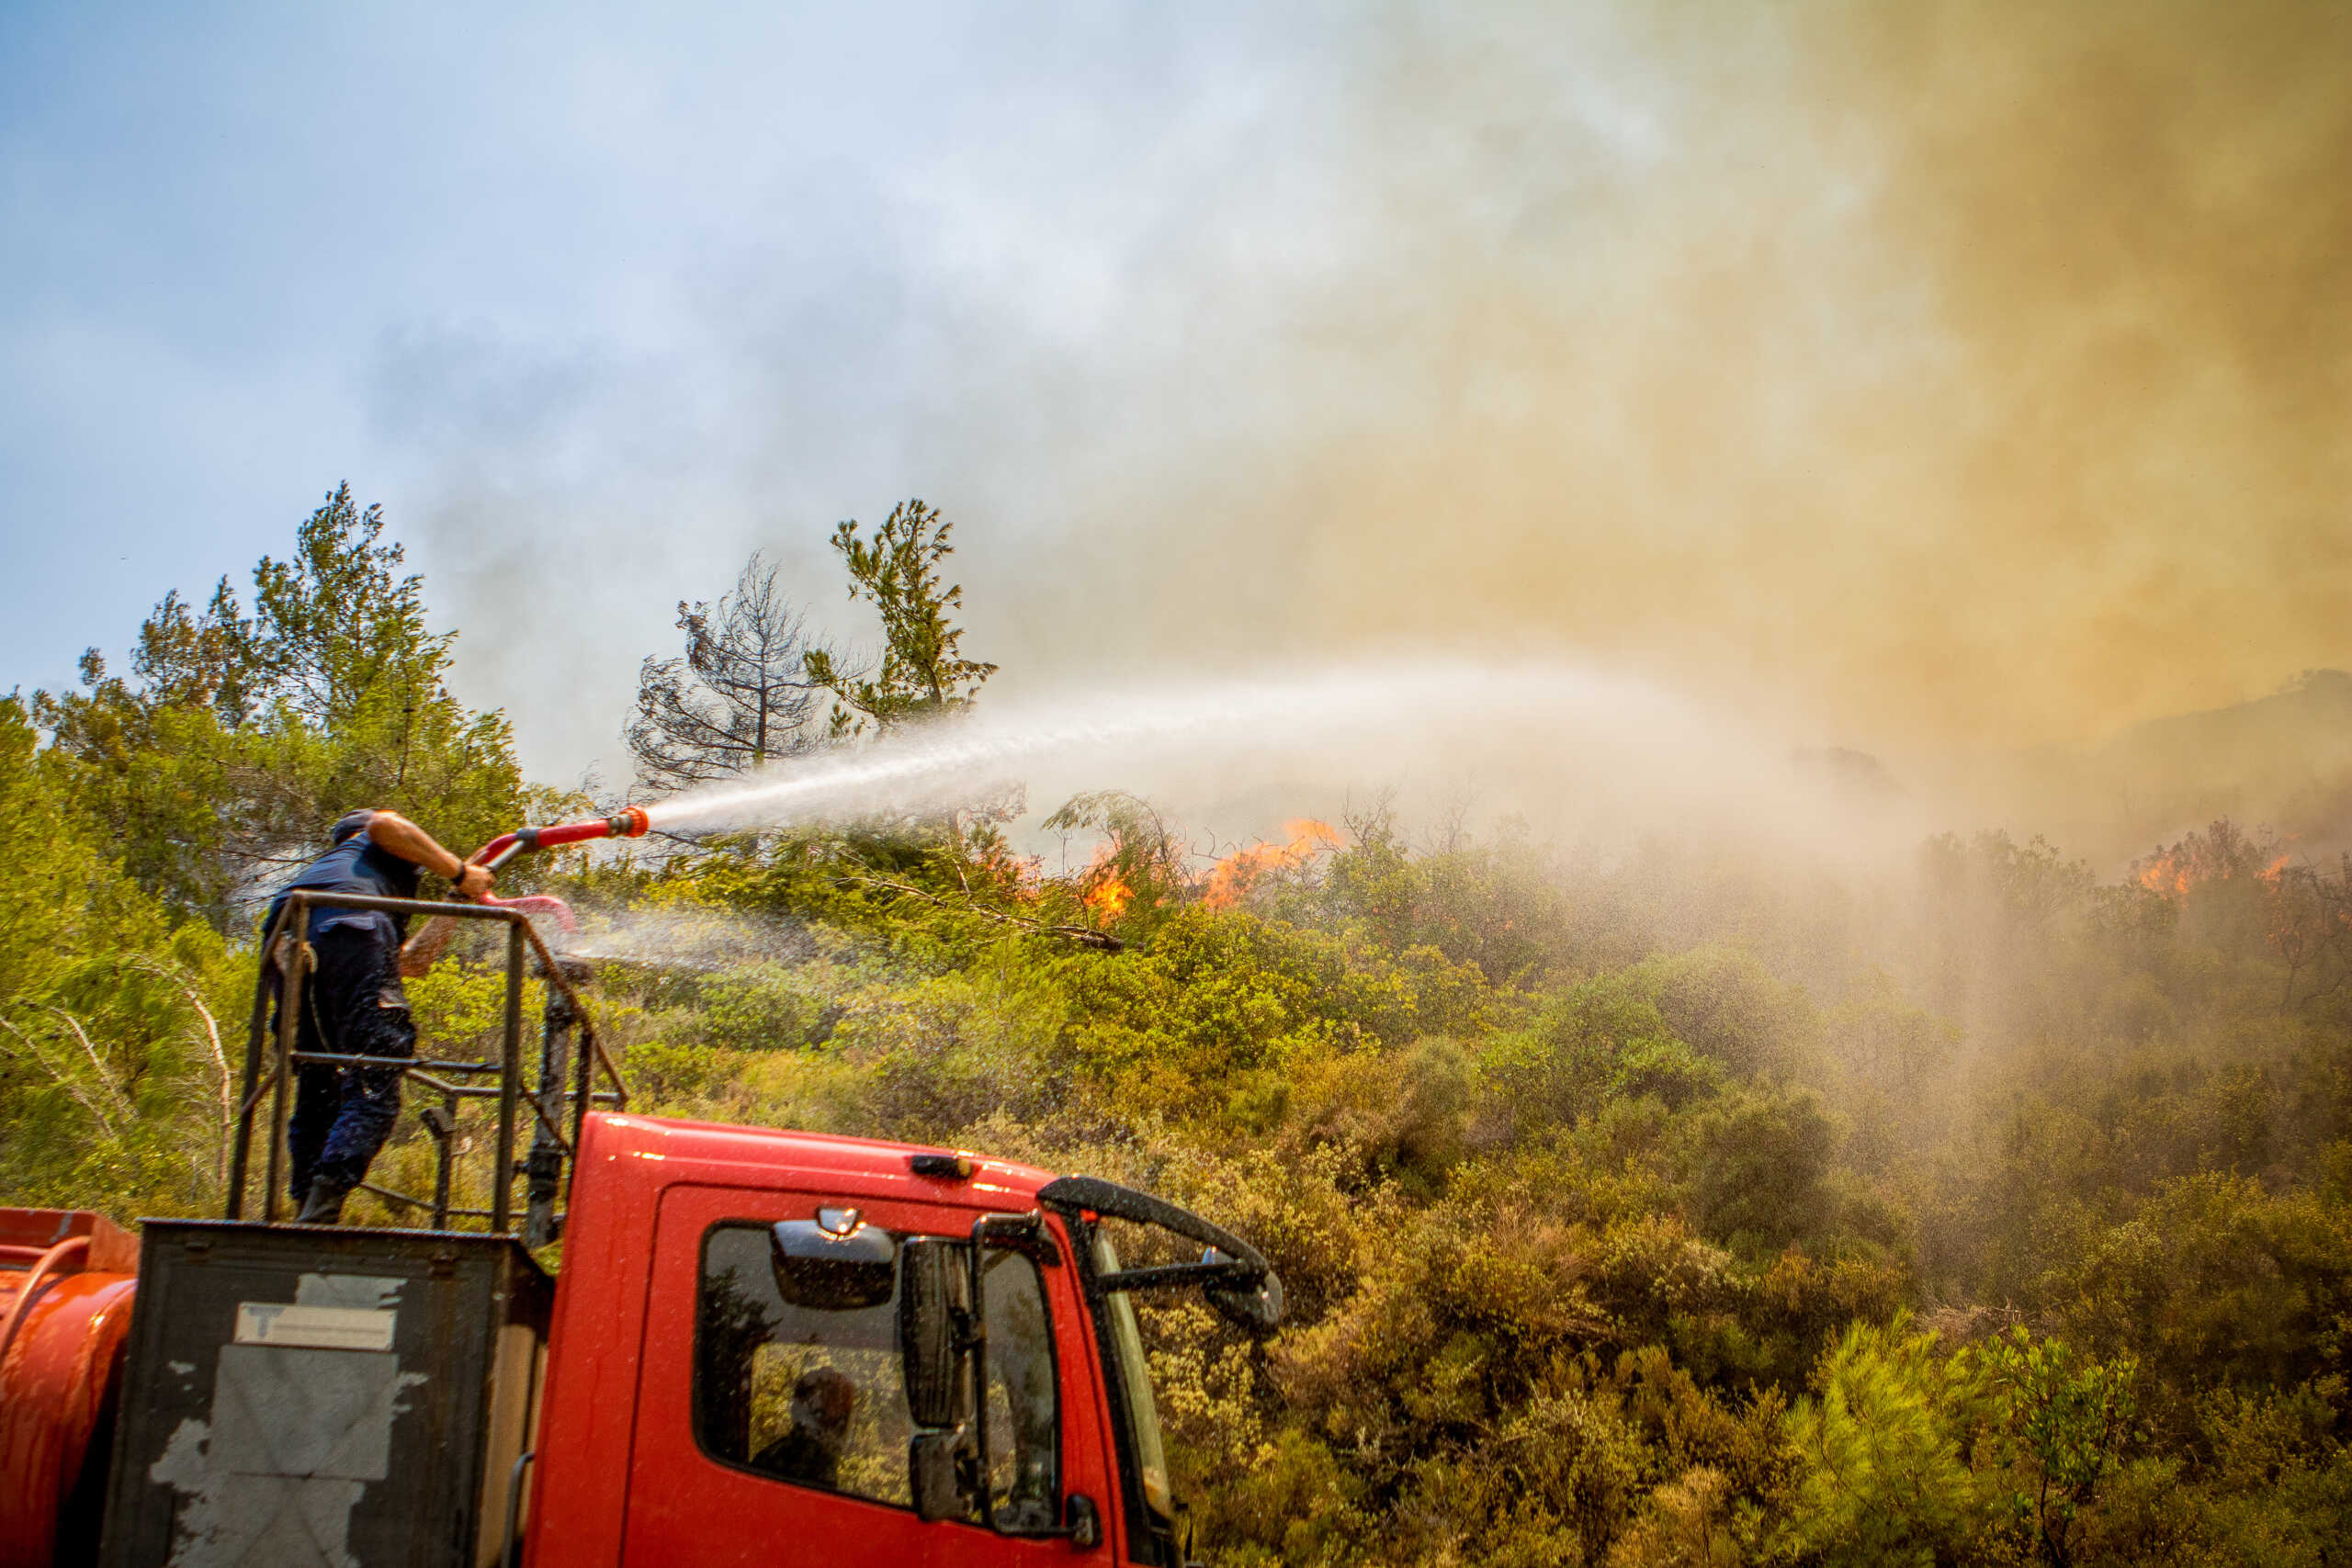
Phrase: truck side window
(1024, 1417)
(797, 1368)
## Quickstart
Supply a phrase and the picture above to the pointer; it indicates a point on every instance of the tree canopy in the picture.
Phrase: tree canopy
(239, 739)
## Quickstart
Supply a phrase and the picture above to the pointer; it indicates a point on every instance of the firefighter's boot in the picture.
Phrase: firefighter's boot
(324, 1204)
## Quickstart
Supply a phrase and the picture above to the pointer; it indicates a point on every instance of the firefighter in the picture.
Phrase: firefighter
(352, 1004)
(810, 1451)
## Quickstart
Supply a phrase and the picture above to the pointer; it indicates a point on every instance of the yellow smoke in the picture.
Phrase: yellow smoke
(1962, 372)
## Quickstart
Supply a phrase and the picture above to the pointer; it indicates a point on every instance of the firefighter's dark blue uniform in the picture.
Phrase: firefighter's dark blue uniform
(354, 1007)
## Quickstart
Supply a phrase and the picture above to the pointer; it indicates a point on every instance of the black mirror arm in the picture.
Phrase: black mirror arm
(1241, 1275)
(1073, 1193)
(1242, 1285)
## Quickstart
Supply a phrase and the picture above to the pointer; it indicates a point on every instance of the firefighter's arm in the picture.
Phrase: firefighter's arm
(396, 834)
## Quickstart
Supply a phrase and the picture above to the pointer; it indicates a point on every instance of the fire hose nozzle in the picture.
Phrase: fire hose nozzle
(631, 822)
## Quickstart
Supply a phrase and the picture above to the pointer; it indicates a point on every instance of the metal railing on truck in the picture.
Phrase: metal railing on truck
(566, 1079)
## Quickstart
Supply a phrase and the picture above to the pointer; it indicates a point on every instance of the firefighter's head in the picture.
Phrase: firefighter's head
(821, 1402)
(349, 824)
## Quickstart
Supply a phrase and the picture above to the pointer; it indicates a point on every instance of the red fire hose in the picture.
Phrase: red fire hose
(630, 823)
(72, 1247)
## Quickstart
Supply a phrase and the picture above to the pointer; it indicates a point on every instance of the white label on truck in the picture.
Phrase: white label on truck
(314, 1327)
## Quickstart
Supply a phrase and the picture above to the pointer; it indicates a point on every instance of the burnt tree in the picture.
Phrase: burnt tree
(738, 696)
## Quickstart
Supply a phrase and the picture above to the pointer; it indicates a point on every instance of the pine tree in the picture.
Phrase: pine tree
(923, 672)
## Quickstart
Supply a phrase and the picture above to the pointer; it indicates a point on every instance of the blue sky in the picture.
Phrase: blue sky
(677, 289)
(1882, 373)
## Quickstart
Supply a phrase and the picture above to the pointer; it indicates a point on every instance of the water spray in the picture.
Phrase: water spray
(1606, 756)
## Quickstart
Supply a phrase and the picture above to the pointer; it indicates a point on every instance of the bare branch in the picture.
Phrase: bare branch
(106, 1079)
(64, 1080)
(220, 1059)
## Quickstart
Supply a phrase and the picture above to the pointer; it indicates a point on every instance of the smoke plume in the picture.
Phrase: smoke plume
(1934, 377)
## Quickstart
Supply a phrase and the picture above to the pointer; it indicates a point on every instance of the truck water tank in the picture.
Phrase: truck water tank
(297, 1394)
(66, 1280)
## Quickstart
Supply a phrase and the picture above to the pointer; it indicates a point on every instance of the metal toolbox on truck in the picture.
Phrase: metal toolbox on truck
(345, 1398)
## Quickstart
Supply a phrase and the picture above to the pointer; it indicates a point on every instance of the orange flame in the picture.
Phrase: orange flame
(1108, 897)
(2200, 859)
(1230, 880)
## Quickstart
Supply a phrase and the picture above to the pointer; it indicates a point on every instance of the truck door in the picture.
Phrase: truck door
(772, 1427)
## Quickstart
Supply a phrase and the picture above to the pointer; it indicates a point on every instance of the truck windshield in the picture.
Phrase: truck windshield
(1135, 1376)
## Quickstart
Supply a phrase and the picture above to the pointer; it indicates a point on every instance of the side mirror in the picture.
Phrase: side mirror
(1081, 1519)
(935, 1475)
(1255, 1310)
(935, 1329)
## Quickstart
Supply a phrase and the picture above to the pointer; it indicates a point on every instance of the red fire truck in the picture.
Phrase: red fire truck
(761, 1347)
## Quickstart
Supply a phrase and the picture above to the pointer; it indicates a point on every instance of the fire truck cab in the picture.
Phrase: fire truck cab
(762, 1348)
(777, 1350)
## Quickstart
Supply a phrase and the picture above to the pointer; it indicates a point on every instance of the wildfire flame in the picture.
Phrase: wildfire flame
(1105, 894)
(2201, 858)
(1107, 897)
(1230, 880)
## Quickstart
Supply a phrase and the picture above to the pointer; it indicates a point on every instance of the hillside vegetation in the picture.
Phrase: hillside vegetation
(1665, 1209)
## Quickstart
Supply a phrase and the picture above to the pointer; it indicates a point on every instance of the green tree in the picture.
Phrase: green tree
(218, 766)
(1758, 1163)
(1885, 1479)
(2058, 1421)
(923, 673)
(113, 1075)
